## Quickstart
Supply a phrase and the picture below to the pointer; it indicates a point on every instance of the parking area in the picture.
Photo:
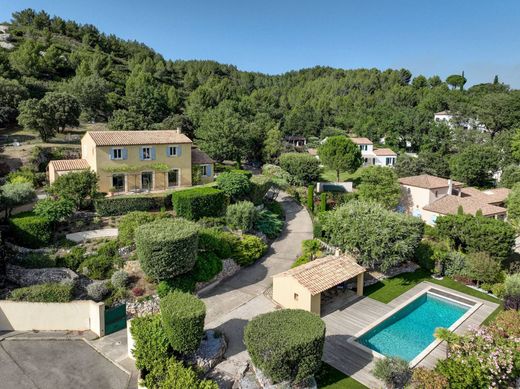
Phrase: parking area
(51, 364)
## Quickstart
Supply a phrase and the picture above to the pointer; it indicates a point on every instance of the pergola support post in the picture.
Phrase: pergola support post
(360, 283)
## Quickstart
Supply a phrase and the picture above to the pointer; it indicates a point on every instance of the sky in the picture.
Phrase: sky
(479, 37)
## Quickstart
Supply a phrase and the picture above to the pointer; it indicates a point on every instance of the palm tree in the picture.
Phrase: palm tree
(446, 335)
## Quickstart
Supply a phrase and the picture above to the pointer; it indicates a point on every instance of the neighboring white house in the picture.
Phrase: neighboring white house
(371, 156)
(452, 121)
(428, 197)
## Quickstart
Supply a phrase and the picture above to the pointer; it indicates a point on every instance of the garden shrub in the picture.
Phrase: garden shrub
(208, 222)
(216, 241)
(74, 258)
(109, 249)
(121, 205)
(196, 203)
(167, 248)
(276, 208)
(151, 346)
(172, 374)
(323, 202)
(97, 267)
(235, 185)
(35, 260)
(393, 371)
(279, 177)
(182, 317)
(480, 267)
(310, 198)
(303, 168)
(246, 173)
(268, 223)
(301, 260)
(119, 279)
(184, 283)
(30, 230)
(509, 322)
(97, 290)
(129, 222)
(248, 250)
(208, 265)
(424, 255)
(80, 187)
(455, 264)
(55, 210)
(287, 345)
(312, 248)
(260, 185)
(498, 289)
(241, 216)
(511, 291)
(44, 293)
(423, 378)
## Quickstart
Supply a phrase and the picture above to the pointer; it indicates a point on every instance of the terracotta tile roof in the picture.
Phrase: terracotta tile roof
(488, 196)
(324, 273)
(384, 152)
(69, 164)
(199, 157)
(123, 138)
(426, 181)
(361, 141)
(449, 205)
(293, 137)
(443, 113)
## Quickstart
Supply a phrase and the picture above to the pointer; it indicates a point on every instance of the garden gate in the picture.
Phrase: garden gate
(115, 319)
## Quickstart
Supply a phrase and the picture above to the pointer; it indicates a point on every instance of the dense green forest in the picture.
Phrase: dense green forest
(71, 69)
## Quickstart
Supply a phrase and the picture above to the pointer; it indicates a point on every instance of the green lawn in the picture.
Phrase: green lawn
(329, 175)
(387, 290)
(330, 378)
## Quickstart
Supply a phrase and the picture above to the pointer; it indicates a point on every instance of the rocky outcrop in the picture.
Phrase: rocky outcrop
(27, 277)
(210, 352)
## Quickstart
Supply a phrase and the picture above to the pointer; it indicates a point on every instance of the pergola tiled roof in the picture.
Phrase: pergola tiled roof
(69, 164)
(129, 138)
(200, 157)
(488, 196)
(361, 141)
(427, 181)
(324, 273)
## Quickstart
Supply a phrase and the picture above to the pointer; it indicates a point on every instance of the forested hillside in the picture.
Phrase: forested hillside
(70, 69)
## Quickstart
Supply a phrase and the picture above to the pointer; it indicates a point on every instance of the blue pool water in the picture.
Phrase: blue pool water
(410, 330)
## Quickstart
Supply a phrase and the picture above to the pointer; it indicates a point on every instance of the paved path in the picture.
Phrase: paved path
(92, 234)
(232, 303)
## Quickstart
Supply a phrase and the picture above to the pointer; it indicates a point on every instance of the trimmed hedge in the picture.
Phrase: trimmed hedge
(246, 173)
(287, 345)
(120, 205)
(30, 230)
(196, 203)
(248, 250)
(259, 187)
(218, 242)
(172, 374)
(129, 222)
(208, 265)
(52, 292)
(151, 345)
(167, 247)
(182, 317)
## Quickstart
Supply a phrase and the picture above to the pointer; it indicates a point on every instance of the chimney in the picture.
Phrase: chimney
(179, 130)
(450, 187)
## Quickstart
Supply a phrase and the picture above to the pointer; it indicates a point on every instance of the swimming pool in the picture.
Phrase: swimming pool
(407, 332)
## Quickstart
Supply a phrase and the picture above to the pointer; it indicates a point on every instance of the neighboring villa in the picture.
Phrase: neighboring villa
(452, 121)
(371, 156)
(135, 161)
(428, 197)
(295, 141)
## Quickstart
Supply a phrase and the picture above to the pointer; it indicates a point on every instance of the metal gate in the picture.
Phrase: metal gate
(115, 319)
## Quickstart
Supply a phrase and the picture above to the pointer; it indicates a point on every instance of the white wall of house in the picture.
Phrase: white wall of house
(385, 160)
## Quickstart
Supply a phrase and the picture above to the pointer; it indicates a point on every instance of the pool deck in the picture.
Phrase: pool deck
(359, 312)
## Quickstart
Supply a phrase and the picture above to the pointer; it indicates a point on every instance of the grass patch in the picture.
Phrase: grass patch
(390, 288)
(329, 175)
(330, 378)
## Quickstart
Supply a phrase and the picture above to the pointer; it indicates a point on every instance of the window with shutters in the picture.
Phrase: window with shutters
(147, 153)
(117, 153)
(172, 151)
(204, 170)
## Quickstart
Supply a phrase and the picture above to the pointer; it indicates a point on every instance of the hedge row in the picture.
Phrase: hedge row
(151, 344)
(30, 230)
(287, 345)
(259, 187)
(120, 205)
(44, 293)
(196, 203)
(182, 317)
(167, 247)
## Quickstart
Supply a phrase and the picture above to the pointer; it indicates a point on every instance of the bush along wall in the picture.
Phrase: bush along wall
(120, 205)
(287, 345)
(30, 230)
(196, 203)
(167, 247)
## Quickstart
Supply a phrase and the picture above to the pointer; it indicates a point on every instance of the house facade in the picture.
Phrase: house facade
(428, 197)
(372, 156)
(138, 161)
(452, 121)
(295, 141)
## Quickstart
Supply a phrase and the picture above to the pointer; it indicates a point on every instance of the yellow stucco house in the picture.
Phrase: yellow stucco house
(137, 161)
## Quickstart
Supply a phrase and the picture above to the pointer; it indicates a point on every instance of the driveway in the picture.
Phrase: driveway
(52, 364)
(235, 301)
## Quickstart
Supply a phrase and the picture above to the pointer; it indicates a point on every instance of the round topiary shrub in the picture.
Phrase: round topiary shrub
(235, 185)
(167, 248)
(183, 320)
(97, 291)
(119, 279)
(287, 345)
(241, 216)
(248, 250)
